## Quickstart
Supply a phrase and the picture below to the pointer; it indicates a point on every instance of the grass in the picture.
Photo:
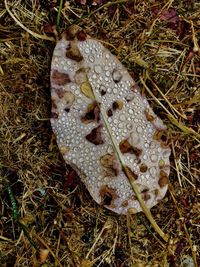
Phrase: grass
(65, 225)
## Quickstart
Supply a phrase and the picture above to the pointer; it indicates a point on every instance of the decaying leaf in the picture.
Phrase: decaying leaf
(109, 134)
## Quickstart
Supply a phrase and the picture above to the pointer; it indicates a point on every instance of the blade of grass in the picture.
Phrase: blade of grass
(59, 14)
(16, 217)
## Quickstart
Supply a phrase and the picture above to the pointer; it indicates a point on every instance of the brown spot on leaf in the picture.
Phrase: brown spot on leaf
(161, 163)
(95, 136)
(158, 135)
(146, 197)
(92, 113)
(117, 105)
(54, 115)
(130, 174)
(69, 98)
(81, 75)
(144, 191)
(108, 195)
(102, 92)
(149, 116)
(67, 109)
(156, 192)
(109, 112)
(110, 164)
(53, 103)
(60, 78)
(60, 92)
(125, 203)
(133, 197)
(145, 194)
(71, 32)
(163, 181)
(73, 52)
(143, 167)
(126, 147)
(164, 145)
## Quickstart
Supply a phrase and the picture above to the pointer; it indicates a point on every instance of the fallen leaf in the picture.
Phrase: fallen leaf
(71, 180)
(48, 27)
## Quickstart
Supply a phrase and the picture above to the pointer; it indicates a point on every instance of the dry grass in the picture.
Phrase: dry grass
(58, 226)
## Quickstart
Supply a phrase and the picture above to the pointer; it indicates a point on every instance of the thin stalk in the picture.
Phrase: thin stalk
(59, 14)
(131, 179)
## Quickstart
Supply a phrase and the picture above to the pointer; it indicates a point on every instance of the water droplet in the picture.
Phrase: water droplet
(109, 90)
(129, 126)
(134, 138)
(139, 129)
(130, 111)
(79, 101)
(74, 161)
(90, 168)
(81, 159)
(122, 117)
(110, 149)
(152, 171)
(129, 97)
(91, 58)
(154, 157)
(116, 75)
(107, 73)
(115, 91)
(145, 157)
(166, 153)
(97, 69)
(147, 176)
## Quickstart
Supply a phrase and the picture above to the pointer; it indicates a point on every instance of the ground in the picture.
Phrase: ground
(47, 216)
